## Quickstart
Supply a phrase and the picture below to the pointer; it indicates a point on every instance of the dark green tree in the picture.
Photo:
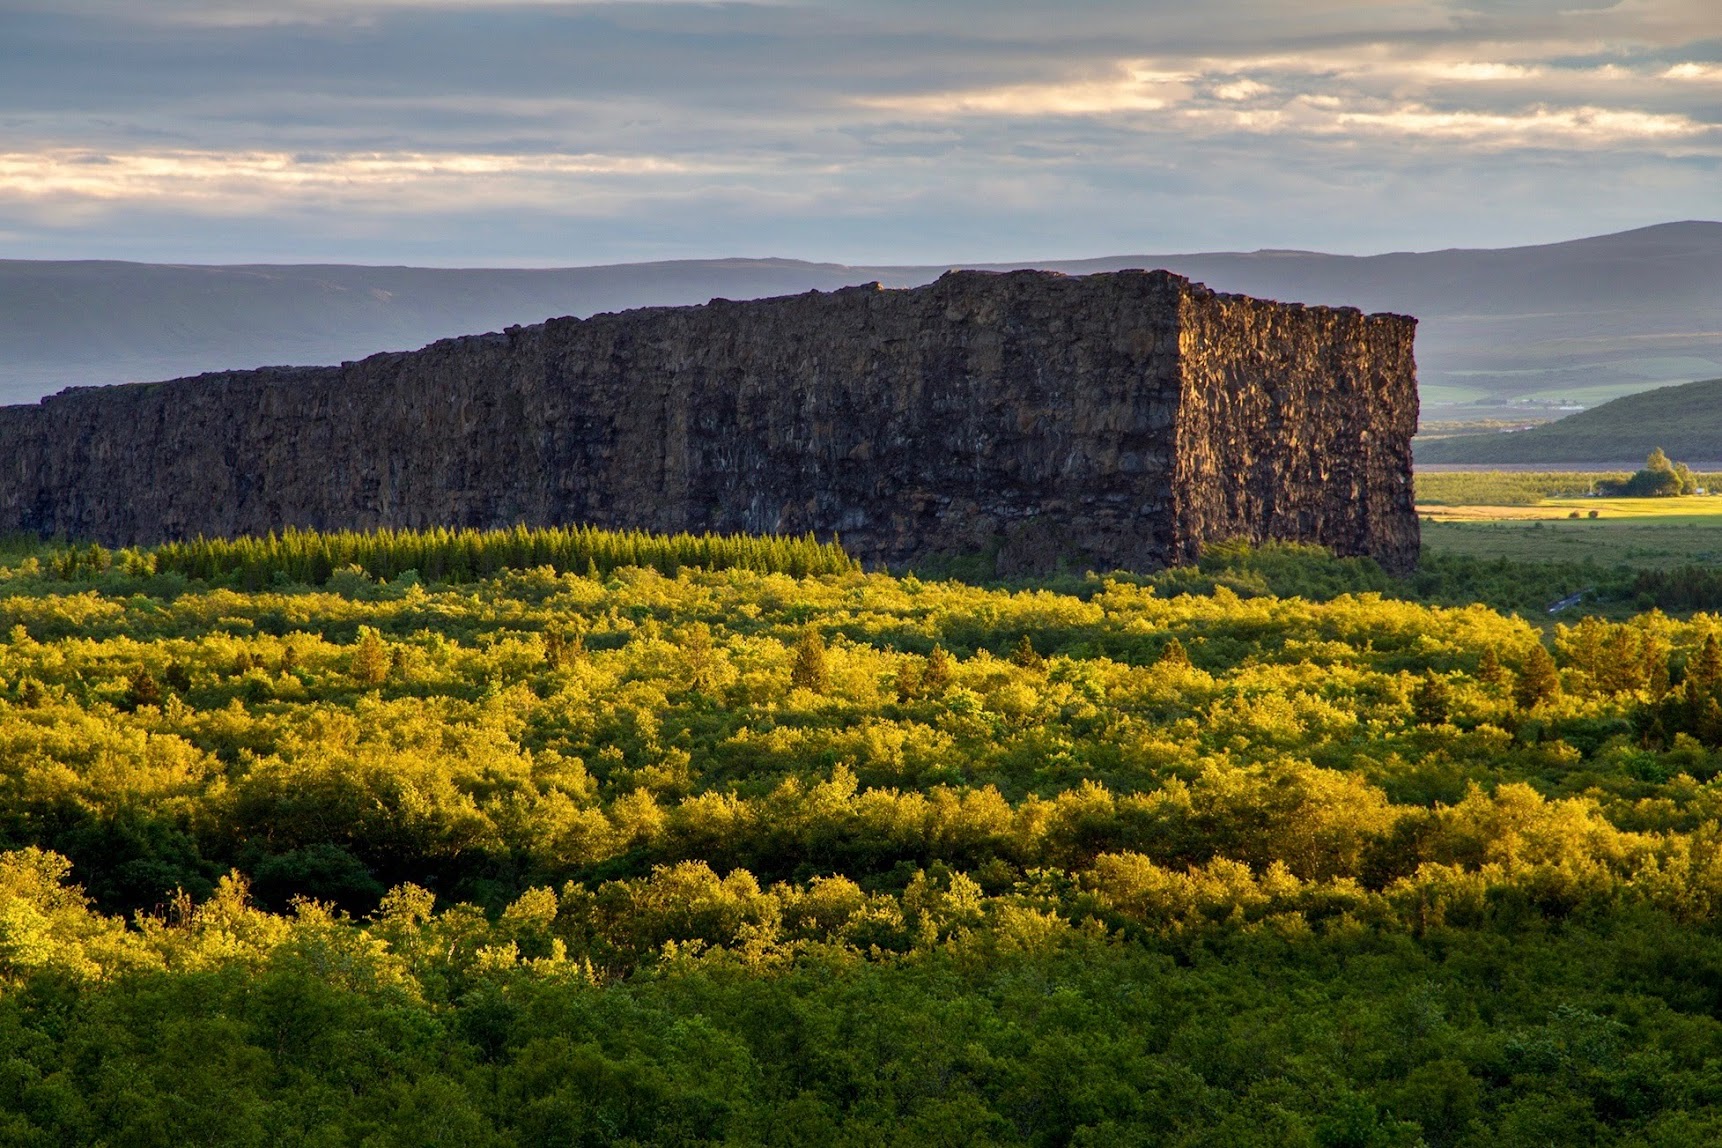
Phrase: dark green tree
(1709, 722)
(143, 690)
(1430, 699)
(1659, 478)
(1704, 671)
(809, 671)
(1538, 679)
(1025, 656)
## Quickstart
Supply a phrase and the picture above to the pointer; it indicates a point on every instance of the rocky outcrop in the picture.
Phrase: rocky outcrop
(1115, 420)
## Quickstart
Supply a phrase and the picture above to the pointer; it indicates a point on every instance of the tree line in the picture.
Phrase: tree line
(441, 554)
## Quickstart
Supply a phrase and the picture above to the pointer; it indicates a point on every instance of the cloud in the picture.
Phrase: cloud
(832, 127)
(1245, 89)
(1474, 70)
(238, 182)
(1368, 96)
(1131, 88)
(1540, 127)
(1694, 71)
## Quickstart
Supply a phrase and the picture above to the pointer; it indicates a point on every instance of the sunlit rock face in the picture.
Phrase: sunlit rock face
(1107, 421)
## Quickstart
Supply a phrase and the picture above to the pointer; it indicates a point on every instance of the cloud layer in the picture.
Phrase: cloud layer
(483, 131)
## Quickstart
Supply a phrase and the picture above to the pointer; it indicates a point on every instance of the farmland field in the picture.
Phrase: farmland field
(1471, 488)
(1544, 517)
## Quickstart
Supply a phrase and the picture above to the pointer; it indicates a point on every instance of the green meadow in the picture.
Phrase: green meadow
(1546, 517)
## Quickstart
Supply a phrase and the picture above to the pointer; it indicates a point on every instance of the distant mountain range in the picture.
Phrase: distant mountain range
(1575, 323)
(1685, 421)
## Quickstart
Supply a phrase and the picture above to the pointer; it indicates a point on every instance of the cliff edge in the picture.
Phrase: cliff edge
(1117, 420)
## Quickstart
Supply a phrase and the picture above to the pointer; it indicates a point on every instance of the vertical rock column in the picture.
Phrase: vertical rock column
(1295, 425)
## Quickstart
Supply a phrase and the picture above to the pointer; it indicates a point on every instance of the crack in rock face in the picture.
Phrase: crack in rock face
(1120, 420)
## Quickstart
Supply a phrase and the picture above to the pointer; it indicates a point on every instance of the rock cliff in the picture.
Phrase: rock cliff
(1114, 420)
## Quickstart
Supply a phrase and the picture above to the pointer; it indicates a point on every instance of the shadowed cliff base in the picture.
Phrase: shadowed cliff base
(1116, 420)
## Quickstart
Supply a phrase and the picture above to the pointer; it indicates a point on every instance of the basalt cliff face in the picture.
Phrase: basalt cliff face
(1106, 421)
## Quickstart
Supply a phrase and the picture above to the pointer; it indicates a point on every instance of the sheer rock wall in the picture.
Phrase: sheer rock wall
(1114, 420)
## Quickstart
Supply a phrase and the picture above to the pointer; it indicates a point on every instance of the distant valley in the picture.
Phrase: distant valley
(1566, 324)
(1685, 421)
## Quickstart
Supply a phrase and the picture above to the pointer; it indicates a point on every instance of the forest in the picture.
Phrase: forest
(535, 838)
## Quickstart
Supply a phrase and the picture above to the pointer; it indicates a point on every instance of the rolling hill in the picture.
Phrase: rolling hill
(1582, 321)
(1685, 421)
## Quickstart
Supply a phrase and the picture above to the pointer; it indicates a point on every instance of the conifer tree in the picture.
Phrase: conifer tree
(1489, 667)
(908, 681)
(143, 690)
(1706, 666)
(809, 671)
(1174, 654)
(1659, 678)
(1429, 700)
(1621, 666)
(1656, 736)
(1709, 724)
(1538, 679)
(1025, 656)
(936, 675)
(176, 677)
(371, 659)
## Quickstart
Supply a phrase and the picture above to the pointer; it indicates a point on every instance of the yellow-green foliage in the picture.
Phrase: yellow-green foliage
(546, 829)
(542, 726)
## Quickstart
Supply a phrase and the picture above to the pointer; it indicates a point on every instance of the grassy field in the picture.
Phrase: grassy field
(1607, 542)
(1450, 490)
(1640, 532)
(1698, 510)
(1505, 488)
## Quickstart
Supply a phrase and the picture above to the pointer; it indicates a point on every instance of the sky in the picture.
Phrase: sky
(550, 133)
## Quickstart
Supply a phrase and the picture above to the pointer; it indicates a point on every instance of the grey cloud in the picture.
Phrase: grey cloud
(853, 131)
(956, 209)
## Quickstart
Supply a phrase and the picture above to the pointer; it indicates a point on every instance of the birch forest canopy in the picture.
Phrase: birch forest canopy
(605, 839)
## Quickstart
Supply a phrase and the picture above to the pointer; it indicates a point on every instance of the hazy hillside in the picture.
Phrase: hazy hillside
(1584, 320)
(1686, 421)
